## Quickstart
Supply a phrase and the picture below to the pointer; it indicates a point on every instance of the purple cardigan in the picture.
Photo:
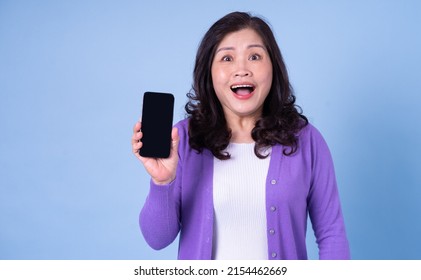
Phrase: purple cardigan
(296, 185)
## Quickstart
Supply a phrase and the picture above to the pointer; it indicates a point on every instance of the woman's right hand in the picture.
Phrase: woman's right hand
(161, 170)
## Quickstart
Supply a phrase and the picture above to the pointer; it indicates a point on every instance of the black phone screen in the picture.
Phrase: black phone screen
(157, 118)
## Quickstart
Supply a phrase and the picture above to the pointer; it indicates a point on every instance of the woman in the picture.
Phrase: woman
(245, 167)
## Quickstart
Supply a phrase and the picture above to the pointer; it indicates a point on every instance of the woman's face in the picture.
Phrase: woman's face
(242, 74)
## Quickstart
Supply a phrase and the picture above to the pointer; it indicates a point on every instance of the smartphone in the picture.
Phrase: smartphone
(157, 118)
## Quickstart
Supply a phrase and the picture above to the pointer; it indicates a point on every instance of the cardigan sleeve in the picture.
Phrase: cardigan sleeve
(159, 217)
(324, 203)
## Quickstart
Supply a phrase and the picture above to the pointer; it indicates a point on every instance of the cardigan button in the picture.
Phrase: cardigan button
(273, 208)
(273, 255)
(273, 182)
(272, 231)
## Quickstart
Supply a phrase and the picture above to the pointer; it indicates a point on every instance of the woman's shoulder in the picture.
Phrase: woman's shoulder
(310, 135)
(183, 126)
(183, 122)
(183, 133)
(309, 130)
(185, 151)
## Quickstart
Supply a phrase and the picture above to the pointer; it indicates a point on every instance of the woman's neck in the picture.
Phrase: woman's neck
(241, 129)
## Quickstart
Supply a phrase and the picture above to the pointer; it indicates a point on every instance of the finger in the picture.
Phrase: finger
(136, 137)
(175, 139)
(136, 130)
(174, 134)
(137, 127)
(136, 147)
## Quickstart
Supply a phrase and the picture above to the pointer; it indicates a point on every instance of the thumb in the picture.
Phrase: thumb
(175, 139)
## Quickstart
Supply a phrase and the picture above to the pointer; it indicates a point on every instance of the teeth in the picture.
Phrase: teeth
(242, 86)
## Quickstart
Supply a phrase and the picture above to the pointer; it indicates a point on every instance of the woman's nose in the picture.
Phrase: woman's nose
(242, 73)
(242, 70)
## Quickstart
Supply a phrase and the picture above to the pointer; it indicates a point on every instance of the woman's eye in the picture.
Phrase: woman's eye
(226, 58)
(255, 57)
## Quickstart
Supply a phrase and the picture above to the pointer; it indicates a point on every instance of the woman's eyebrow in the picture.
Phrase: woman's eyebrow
(256, 46)
(248, 47)
(225, 49)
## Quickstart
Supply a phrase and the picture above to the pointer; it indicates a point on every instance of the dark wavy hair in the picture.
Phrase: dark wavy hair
(281, 119)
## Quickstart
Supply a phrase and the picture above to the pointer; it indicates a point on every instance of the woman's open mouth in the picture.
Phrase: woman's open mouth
(243, 91)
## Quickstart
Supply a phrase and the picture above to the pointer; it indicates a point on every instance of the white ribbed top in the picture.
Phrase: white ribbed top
(240, 230)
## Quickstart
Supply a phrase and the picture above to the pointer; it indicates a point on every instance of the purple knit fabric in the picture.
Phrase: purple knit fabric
(296, 186)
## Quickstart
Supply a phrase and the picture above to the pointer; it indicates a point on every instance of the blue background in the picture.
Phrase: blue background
(72, 75)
